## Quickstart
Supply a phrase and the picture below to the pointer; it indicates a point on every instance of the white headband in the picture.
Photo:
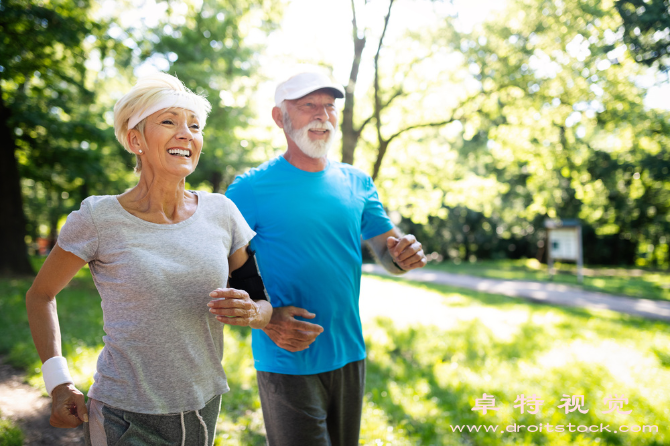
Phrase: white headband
(176, 99)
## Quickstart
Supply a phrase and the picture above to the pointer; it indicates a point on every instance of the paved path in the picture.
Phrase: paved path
(552, 293)
(26, 406)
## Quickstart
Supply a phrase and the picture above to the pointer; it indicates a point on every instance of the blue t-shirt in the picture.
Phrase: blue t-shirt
(308, 240)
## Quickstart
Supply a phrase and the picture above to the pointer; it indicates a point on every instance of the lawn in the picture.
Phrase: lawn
(433, 352)
(634, 282)
(10, 435)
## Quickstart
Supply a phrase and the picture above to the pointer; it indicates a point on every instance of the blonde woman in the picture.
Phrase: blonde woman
(161, 258)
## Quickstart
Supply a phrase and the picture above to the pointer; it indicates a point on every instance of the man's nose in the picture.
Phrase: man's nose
(321, 113)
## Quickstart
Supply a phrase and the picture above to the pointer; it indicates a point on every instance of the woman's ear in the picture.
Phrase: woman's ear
(135, 141)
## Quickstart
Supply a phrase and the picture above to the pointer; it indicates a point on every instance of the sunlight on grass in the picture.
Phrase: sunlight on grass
(378, 430)
(428, 377)
(408, 304)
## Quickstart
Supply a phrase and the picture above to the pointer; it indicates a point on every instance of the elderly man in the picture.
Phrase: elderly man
(309, 214)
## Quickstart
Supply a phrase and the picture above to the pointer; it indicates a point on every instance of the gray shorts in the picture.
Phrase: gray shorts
(109, 426)
(313, 410)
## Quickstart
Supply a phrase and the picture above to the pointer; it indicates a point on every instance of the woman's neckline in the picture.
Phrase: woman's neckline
(187, 221)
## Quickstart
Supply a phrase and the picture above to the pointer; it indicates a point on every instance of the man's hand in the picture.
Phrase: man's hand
(68, 408)
(234, 307)
(406, 252)
(288, 332)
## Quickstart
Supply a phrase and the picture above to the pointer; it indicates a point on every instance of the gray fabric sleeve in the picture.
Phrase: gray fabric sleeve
(79, 234)
(240, 232)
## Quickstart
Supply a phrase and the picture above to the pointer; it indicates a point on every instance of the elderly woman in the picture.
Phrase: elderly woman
(160, 256)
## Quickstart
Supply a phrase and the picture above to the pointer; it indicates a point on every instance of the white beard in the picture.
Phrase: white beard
(312, 148)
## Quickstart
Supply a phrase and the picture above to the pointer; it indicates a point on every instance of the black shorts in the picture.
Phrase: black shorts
(313, 410)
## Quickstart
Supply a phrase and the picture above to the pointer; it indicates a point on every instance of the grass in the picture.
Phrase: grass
(632, 282)
(424, 379)
(10, 435)
(434, 354)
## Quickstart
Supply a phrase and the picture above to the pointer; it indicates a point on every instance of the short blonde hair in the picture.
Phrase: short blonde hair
(147, 92)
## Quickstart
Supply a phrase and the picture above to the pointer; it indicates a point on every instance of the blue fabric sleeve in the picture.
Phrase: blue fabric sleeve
(241, 193)
(374, 221)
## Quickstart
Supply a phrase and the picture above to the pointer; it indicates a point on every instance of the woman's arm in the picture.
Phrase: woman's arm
(68, 408)
(234, 307)
(57, 271)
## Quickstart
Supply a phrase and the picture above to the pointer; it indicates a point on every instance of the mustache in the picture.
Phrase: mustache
(320, 125)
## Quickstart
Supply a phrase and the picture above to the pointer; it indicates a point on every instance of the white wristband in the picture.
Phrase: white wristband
(55, 373)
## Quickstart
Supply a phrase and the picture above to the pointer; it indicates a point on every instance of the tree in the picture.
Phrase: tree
(41, 81)
(208, 51)
(539, 117)
(561, 131)
(56, 103)
(646, 30)
(582, 143)
(382, 98)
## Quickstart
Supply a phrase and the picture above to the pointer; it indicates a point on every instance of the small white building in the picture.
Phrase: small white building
(564, 242)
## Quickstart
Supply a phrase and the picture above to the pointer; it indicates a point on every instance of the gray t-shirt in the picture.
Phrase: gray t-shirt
(163, 348)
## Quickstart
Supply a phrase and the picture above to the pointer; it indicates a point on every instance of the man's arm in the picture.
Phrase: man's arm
(396, 252)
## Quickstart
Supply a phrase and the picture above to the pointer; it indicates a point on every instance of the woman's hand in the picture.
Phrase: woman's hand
(234, 307)
(68, 408)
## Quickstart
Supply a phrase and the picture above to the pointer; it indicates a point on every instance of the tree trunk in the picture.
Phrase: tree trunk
(216, 180)
(349, 133)
(383, 145)
(13, 250)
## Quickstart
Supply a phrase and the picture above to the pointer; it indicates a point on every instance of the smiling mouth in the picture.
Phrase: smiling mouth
(180, 152)
(319, 131)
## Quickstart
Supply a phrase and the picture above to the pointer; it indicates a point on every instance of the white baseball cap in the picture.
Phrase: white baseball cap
(304, 83)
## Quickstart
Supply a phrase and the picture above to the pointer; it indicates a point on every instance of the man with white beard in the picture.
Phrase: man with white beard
(310, 214)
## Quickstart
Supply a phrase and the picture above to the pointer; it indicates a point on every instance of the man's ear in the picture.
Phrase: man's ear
(278, 117)
(134, 140)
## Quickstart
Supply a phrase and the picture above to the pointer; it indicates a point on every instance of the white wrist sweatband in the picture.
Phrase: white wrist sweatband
(55, 373)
